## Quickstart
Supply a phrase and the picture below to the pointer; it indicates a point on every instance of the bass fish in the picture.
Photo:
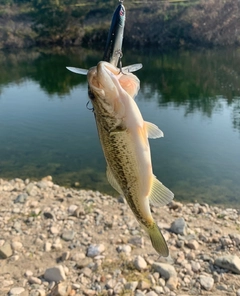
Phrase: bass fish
(124, 138)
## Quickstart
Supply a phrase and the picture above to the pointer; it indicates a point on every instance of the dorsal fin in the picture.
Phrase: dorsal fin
(160, 195)
(153, 131)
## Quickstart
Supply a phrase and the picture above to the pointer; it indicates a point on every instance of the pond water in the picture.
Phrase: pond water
(194, 98)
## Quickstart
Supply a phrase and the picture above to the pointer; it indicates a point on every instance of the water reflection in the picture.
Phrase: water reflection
(49, 131)
(194, 80)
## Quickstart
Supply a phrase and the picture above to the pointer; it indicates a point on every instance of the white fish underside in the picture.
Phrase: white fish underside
(123, 135)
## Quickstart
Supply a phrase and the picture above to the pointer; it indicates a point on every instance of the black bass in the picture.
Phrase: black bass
(124, 138)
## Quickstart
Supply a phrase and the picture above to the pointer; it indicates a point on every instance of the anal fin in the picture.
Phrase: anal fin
(160, 195)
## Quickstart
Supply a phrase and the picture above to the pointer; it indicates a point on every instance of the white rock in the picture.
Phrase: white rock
(17, 246)
(131, 286)
(54, 230)
(238, 292)
(41, 292)
(168, 272)
(139, 293)
(124, 249)
(193, 245)
(34, 280)
(172, 283)
(206, 282)
(118, 288)
(165, 270)
(151, 293)
(55, 274)
(137, 241)
(47, 246)
(95, 250)
(61, 289)
(139, 263)
(179, 226)
(158, 290)
(72, 209)
(16, 291)
(111, 284)
(6, 251)
(28, 273)
(195, 266)
(229, 262)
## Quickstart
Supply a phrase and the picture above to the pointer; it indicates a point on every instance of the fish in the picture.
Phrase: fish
(124, 139)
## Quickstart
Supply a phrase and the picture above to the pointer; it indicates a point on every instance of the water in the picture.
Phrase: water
(194, 97)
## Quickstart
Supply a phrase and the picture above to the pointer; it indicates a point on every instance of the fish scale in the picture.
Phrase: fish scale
(121, 159)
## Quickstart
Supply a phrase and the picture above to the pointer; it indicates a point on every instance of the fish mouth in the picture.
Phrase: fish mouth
(103, 79)
(107, 80)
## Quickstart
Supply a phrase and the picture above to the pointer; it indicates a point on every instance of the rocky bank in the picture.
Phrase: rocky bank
(62, 241)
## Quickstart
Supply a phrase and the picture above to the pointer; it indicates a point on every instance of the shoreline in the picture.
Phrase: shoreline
(164, 25)
(80, 242)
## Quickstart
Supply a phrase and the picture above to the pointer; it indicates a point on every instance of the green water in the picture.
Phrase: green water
(194, 97)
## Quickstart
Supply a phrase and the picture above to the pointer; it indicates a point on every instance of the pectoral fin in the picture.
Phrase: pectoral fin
(112, 181)
(160, 195)
(153, 131)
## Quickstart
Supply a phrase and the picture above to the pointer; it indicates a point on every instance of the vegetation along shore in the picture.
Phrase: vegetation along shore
(162, 24)
(62, 241)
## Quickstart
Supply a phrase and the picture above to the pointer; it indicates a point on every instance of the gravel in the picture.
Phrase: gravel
(57, 241)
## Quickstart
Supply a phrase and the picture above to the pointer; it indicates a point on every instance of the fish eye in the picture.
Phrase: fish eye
(90, 94)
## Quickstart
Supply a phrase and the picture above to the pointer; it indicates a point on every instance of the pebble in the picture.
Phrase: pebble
(61, 289)
(206, 282)
(6, 250)
(193, 245)
(179, 226)
(137, 241)
(195, 266)
(139, 293)
(139, 263)
(21, 198)
(143, 285)
(68, 235)
(101, 250)
(55, 274)
(151, 293)
(17, 291)
(95, 250)
(34, 280)
(17, 246)
(124, 249)
(229, 262)
(131, 286)
(164, 269)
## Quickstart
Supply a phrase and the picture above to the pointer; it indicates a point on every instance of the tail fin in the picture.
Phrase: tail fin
(158, 241)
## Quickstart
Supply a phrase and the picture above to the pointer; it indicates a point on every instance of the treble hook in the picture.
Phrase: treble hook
(120, 62)
(91, 109)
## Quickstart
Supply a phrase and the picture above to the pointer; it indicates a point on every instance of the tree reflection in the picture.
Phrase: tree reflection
(236, 113)
(199, 81)
(195, 80)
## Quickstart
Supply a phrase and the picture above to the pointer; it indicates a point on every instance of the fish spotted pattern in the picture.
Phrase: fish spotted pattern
(124, 138)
